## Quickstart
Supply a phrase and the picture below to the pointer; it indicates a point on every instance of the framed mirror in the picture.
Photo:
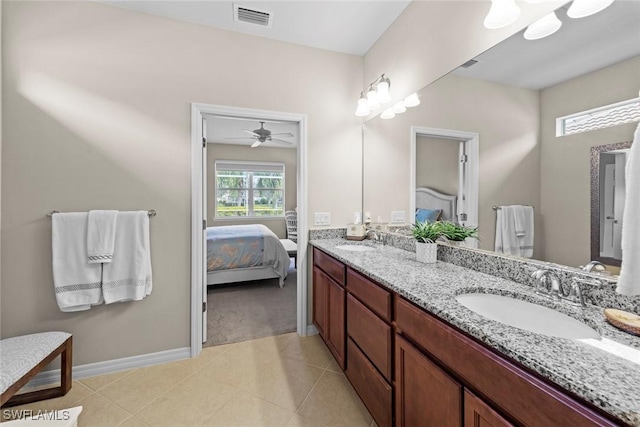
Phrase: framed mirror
(512, 97)
(608, 187)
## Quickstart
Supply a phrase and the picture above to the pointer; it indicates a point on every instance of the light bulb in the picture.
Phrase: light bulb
(582, 8)
(372, 99)
(363, 107)
(388, 114)
(399, 108)
(412, 100)
(383, 95)
(543, 27)
(501, 14)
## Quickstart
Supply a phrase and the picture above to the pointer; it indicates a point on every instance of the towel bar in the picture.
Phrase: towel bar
(151, 213)
(495, 208)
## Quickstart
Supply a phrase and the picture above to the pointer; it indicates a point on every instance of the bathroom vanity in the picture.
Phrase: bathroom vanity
(417, 357)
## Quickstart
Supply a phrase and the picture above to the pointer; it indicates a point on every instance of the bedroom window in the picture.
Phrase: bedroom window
(599, 118)
(249, 189)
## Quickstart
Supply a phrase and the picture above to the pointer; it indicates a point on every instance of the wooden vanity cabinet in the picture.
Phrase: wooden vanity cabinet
(329, 303)
(513, 391)
(370, 345)
(411, 368)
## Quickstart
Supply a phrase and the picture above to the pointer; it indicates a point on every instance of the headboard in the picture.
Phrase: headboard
(428, 198)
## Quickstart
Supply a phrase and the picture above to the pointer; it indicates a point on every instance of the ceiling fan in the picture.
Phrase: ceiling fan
(262, 135)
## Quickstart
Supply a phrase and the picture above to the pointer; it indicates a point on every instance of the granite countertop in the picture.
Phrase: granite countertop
(610, 379)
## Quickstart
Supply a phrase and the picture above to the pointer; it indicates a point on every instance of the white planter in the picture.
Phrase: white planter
(426, 252)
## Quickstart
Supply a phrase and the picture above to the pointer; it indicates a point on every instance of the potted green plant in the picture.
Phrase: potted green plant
(455, 233)
(426, 233)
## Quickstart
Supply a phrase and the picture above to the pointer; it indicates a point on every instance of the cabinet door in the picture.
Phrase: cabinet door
(336, 321)
(479, 414)
(425, 395)
(320, 301)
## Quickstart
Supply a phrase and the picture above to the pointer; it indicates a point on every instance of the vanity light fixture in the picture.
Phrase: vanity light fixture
(412, 100)
(363, 106)
(388, 114)
(582, 8)
(399, 108)
(505, 12)
(501, 14)
(543, 27)
(377, 92)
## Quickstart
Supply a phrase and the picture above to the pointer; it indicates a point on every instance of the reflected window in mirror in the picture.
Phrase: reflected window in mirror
(607, 201)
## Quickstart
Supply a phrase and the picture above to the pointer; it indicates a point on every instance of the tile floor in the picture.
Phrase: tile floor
(284, 380)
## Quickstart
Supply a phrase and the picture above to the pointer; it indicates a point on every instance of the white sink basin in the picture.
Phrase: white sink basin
(355, 248)
(527, 316)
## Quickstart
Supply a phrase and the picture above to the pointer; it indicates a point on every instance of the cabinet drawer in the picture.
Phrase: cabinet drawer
(374, 391)
(370, 294)
(334, 268)
(508, 386)
(371, 334)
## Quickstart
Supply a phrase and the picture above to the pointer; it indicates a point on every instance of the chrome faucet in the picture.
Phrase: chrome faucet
(541, 277)
(594, 265)
(376, 238)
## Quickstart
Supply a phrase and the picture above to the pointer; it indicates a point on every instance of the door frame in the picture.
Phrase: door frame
(198, 110)
(471, 181)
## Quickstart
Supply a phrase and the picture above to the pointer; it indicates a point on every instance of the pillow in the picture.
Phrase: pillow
(430, 215)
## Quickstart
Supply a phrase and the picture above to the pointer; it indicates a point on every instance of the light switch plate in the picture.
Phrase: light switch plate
(397, 217)
(322, 218)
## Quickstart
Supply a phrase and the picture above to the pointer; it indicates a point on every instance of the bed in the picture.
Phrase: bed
(430, 199)
(239, 253)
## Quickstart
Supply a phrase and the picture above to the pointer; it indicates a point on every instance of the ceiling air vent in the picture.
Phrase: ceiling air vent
(469, 63)
(252, 16)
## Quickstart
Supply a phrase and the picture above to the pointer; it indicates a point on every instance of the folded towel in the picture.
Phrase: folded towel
(101, 232)
(77, 283)
(507, 239)
(519, 218)
(629, 281)
(128, 276)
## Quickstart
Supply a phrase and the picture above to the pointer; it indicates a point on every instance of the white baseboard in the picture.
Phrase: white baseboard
(312, 330)
(111, 366)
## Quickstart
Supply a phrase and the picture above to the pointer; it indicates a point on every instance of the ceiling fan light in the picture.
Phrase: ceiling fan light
(412, 100)
(543, 27)
(388, 114)
(582, 8)
(256, 144)
(382, 92)
(399, 108)
(501, 14)
(363, 107)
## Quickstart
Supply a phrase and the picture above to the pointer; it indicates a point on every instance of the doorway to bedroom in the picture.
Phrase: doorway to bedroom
(250, 187)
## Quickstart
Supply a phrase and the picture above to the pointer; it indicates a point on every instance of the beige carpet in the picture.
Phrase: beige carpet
(249, 310)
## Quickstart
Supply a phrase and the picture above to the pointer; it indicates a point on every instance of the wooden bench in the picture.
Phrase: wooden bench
(22, 357)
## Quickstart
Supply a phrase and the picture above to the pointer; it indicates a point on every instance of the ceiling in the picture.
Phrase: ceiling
(221, 128)
(342, 26)
(581, 46)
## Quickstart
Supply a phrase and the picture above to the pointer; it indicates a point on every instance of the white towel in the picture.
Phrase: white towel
(76, 282)
(519, 213)
(101, 232)
(128, 276)
(507, 239)
(629, 281)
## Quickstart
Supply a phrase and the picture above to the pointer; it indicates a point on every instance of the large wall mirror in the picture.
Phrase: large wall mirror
(511, 98)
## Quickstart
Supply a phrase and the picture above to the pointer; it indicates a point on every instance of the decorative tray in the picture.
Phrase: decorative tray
(628, 322)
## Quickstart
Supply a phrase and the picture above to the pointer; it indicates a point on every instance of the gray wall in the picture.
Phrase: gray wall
(265, 154)
(97, 115)
(437, 164)
(565, 167)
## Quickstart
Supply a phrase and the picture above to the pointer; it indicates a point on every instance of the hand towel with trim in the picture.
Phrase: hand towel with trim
(128, 276)
(77, 283)
(101, 232)
(524, 217)
(629, 281)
